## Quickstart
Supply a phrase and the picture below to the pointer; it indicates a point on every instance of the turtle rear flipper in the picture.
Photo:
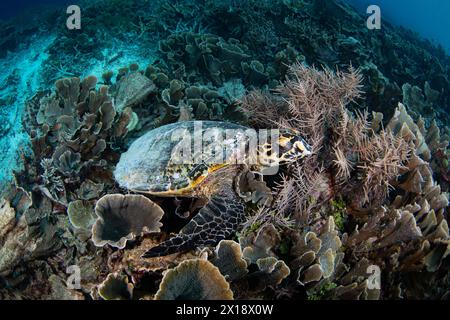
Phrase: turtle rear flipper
(217, 220)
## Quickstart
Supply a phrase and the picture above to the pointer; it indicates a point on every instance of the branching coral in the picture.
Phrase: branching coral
(342, 143)
(380, 160)
(397, 212)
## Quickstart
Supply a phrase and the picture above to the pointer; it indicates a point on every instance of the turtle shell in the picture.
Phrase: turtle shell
(174, 159)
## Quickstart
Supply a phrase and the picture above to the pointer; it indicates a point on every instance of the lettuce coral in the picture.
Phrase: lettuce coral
(194, 280)
(121, 218)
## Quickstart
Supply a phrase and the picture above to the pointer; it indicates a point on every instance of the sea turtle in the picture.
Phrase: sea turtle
(202, 159)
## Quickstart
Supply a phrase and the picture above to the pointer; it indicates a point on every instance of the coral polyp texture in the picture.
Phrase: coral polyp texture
(357, 207)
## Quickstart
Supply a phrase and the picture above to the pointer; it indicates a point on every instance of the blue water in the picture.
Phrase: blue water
(430, 18)
(10, 8)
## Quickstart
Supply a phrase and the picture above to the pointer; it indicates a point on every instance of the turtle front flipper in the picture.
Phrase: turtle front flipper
(217, 220)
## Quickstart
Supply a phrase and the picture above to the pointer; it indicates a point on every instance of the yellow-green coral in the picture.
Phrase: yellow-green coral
(323, 291)
(339, 212)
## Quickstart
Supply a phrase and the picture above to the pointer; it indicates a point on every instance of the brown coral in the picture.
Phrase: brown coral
(116, 287)
(261, 244)
(81, 125)
(229, 259)
(194, 280)
(384, 176)
(317, 256)
(123, 217)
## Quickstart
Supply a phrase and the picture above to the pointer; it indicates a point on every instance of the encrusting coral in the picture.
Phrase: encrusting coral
(21, 238)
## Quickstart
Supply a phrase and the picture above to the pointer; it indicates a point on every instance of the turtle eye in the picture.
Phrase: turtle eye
(283, 141)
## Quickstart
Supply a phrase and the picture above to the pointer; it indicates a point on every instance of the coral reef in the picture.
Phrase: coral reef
(366, 198)
(372, 196)
(382, 175)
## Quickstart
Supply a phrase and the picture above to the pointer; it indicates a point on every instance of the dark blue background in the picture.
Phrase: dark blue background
(9, 8)
(430, 18)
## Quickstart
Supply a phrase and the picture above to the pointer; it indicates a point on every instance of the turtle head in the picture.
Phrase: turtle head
(292, 146)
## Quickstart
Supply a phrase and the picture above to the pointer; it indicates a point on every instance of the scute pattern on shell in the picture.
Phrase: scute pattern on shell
(147, 165)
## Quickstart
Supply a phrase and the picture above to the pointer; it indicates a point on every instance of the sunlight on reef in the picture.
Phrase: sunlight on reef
(21, 78)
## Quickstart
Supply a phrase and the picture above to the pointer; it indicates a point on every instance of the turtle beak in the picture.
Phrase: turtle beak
(302, 148)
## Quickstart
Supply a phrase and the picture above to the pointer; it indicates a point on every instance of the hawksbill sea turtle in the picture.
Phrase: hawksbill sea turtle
(202, 159)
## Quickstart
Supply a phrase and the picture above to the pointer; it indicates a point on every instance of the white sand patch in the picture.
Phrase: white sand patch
(20, 76)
